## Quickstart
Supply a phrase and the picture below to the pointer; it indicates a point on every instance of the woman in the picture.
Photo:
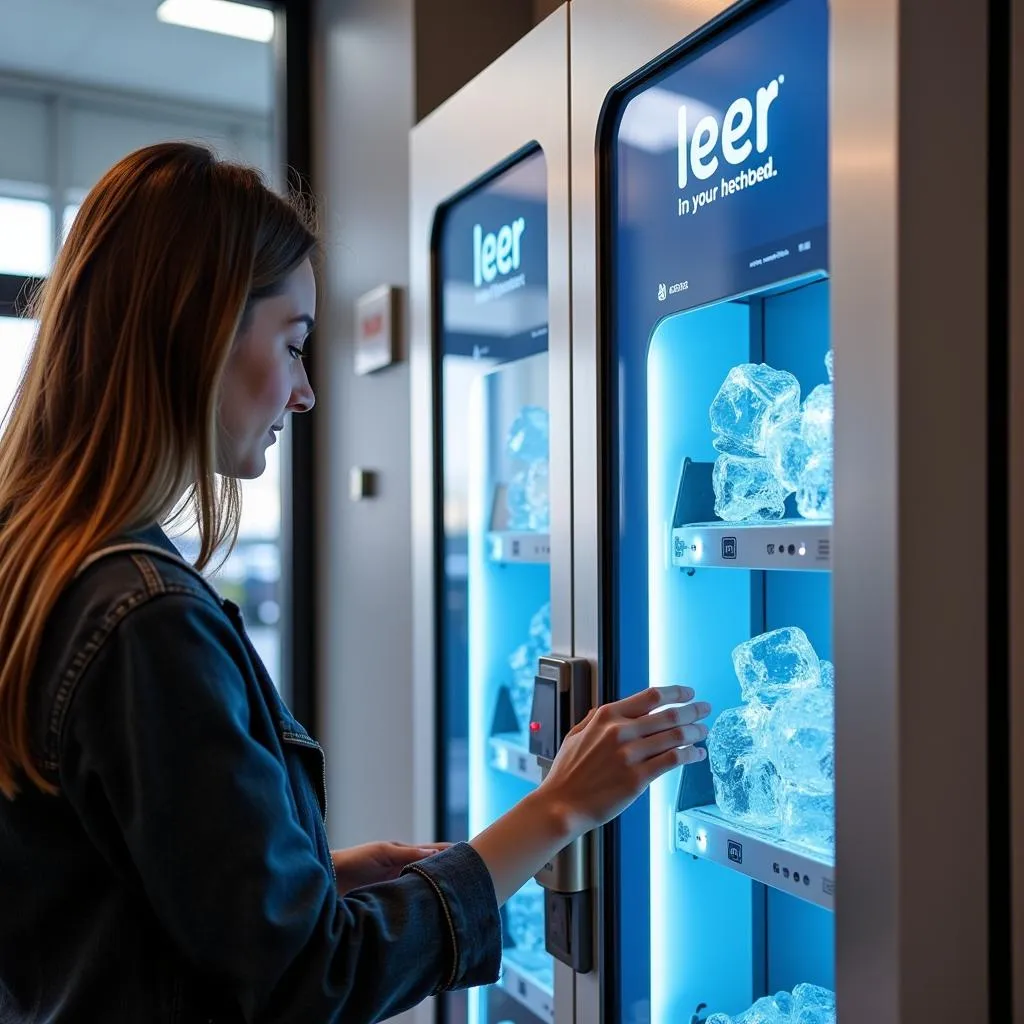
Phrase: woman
(163, 852)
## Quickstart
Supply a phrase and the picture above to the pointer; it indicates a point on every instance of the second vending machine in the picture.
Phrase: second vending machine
(491, 394)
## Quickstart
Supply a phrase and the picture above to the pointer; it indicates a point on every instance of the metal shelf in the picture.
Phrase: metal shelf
(517, 546)
(510, 755)
(787, 544)
(527, 988)
(704, 832)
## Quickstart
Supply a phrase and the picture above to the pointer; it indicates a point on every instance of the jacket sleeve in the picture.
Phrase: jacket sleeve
(156, 749)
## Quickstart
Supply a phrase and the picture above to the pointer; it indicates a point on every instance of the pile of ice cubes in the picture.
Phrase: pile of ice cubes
(773, 758)
(523, 663)
(769, 446)
(807, 1004)
(527, 493)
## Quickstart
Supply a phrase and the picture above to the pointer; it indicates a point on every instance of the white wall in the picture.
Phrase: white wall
(364, 111)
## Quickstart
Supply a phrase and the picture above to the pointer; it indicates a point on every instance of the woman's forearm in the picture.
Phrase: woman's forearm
(522, 841)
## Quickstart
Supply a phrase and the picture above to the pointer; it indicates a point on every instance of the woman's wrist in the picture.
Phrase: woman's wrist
(554, 818)
(523, 840)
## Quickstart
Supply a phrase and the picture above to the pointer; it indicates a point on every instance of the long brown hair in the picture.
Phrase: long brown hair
(116, 413)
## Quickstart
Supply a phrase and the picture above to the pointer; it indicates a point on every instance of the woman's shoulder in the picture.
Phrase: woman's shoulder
(127, 587)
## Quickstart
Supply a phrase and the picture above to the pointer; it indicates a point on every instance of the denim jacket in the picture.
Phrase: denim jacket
(183, 873)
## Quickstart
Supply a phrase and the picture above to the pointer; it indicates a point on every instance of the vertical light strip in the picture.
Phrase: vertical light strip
(661, 791)
(478, 625)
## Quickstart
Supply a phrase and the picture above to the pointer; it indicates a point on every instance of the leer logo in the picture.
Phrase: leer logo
(497, 252)
(697, 153)
(662, 292)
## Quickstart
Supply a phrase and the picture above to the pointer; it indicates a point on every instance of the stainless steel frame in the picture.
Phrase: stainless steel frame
(1016, 510)
(908, 257)
(522, 98)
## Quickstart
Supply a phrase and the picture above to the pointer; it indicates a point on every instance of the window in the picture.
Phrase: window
(70, 213)
(26, 233)
(16, 337)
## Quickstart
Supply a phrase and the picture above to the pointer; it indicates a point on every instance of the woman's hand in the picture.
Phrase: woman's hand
(603, 765)
(619, 749)
(357, 866)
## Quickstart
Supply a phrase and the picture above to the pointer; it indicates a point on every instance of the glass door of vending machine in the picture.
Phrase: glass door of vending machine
(492, 471)
(495, 458)
(772, 522)
(722, 497)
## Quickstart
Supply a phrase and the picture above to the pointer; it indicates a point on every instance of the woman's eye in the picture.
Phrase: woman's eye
(295, 352)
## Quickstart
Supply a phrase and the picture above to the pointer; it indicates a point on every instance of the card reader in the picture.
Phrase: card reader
(561, 698)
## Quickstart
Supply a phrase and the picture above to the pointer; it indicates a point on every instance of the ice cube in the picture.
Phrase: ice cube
(816, 418)
(784, 1001)
(764, 1011)
(814, 1015)
(728, 446)
(735, 733)
(828, 674)
(801, 739)
(719, 1018)
(807, 996)
(540, 628)
(749, 792)
(528, 435)
(746, 489)
(517, 503)
(526, 918)
(829, 369)
(814, 488)
(539, 516)
(750, 400)
(787, 452)
(773, 664)
(808, 820)
(746, 782)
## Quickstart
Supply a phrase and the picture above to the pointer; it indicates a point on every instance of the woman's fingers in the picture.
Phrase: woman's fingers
(665, 740)
(665, 762)
(670, 718)
(654, 697)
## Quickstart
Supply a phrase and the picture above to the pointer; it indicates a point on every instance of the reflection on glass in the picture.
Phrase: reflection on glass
(26, 242)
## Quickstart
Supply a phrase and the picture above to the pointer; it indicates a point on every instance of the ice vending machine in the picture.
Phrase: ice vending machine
(491, 399)
(749, 453)
(723, 470)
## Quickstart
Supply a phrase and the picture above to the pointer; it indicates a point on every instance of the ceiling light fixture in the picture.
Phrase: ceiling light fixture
(223, 16)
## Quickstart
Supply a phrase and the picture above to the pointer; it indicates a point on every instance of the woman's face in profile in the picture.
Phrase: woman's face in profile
(265, 378)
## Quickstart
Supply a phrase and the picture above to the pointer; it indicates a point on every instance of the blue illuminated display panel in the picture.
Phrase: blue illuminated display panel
(494, 612)
(720, 469)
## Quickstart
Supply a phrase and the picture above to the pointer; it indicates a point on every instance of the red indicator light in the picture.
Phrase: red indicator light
(535, 727)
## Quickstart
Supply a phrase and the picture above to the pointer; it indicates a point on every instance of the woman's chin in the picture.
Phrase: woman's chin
(246, 467)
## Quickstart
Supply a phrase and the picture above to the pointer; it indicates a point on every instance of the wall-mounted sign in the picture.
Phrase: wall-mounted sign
(377, 319)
